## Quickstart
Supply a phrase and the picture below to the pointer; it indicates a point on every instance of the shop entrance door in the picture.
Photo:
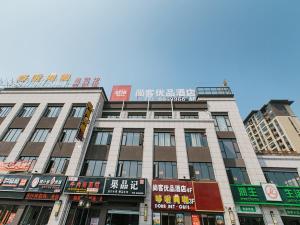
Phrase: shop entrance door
(7, 214)
(36, 215)
(121, 217)
(290, 220)
(251, 220)
(83, 216)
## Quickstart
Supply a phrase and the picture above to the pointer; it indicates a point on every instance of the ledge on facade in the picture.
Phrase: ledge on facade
(272, 153)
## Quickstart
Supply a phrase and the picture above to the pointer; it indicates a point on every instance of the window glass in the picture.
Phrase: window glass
(229, 148)
(129, 169)
(282, 178)
(164, 139)
(165, 170)
(136, 115)
(132, 138)
(190, 115)
(57, 165)
(4, 110)
(27, 111)
(162, 115)
(102, 138)
(77, 111)
(237, 175)
(68, 135)
(201, 171)
(52, 111)
(12, 135)
(93, 168)
(195, 139)
(40, 135)
(222, 123)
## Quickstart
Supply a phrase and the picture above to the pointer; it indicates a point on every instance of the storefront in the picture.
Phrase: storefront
(185, 202)
(109, 201)
(249, 198)
(28, 199)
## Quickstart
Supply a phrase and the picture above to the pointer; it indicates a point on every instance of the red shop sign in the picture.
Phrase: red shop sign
(175, 195)
(92, 198)
(196, 220)
(42, 196)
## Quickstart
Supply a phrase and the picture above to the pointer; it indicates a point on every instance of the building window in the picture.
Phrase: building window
(201, 171)
(27, 111)
(93, 168)
(40, 135)
(111, 115)
(57, 165)
(165, 170)
(282, 178)
(101, 138)
(229, 149)
(12, 135)
(189, 115)
(52, 111)
(194, 139)
(2, 158)
(31, 159)
(222, 123)
(164, 139)
(132, 139)
(129, 169)
(237, 175)
(4, 110)
(68, 135)
(77, 111)
(162, 115)
(136, 115)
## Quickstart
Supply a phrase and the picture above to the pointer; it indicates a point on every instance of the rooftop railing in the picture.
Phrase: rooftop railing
(214, 92)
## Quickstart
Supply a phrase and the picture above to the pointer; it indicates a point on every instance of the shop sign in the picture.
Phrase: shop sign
(92, 198)
(120, 93)
(196, 220)
(18, 166)
(17, 183)
(125, 186)
(46, 184)
(247, 209)
(255, 195)
(293, 212)
(85, 120)
(180, 94)
(84, 185)
(271, 192)
(42, 196)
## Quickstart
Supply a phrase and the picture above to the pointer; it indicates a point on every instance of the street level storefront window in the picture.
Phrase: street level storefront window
(282, 177)
(31, 159)
(57, 165)
(229, 149)
(195, 139)
(83, 216)
(201, 171)
(27, 111)
(132, 138)
(7, 214)
(165, 170)
(251, 219)
(121, 217)
(101, 138)
(237, 175)
(222, 123)
(4, 110)
(164, 139)
(93, 168)
(52, 111)
(12, 135)
(130, 169)
(36, 215)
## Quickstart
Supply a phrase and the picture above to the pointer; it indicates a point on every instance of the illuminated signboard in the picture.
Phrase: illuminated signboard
(85, 120)
(125, 186)
(42, 196)
(120, 93)
(46, 184)
(52, 80)
(84, 185)
(18, 166)
(14, 182)
(180, 94)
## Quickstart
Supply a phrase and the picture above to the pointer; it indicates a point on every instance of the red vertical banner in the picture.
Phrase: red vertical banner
(120, 93)
(196, 220)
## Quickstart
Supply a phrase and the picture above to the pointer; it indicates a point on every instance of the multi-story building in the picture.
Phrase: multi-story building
(274, 131)
(132, 162)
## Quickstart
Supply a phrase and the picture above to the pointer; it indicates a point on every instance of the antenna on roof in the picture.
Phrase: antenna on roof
(225, 83)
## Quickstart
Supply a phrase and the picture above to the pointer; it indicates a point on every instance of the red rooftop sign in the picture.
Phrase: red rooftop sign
(120, 93)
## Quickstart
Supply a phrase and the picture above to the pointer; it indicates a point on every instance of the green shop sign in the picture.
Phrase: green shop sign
(247, 208)
(293, 212)
(254, 195)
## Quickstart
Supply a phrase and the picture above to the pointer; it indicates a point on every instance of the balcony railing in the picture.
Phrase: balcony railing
(214, 92)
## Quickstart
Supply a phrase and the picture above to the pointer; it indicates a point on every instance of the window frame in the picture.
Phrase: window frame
(133, 169)
(14, 137)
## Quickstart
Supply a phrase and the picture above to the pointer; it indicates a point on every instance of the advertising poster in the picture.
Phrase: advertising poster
(156, 218)
(179, 219)
(196, 220)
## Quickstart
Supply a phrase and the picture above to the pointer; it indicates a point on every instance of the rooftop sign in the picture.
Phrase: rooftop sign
(180, 94)
(52, 80)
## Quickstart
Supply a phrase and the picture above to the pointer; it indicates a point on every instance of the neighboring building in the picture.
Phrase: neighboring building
(134, 162)
(274, 129)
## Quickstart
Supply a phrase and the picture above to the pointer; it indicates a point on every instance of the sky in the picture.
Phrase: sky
(254, 45)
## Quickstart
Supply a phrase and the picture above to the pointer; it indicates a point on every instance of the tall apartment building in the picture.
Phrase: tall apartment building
(134, 162)
(274, 129)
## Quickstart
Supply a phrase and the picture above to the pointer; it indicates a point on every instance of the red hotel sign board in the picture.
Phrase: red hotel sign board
(178, 195)
(120, 93)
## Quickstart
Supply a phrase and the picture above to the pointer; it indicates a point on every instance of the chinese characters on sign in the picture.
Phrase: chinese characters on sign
(14, 183)
(50, 80)
(18, 166)
(42, 196)
(125, 186)
(166, 94)
(120, 93)
(84, 185)
(46, 184)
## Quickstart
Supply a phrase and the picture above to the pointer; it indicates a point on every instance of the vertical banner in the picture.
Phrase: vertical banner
(120, 93)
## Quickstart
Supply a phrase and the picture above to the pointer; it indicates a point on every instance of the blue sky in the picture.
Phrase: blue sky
(255, 44)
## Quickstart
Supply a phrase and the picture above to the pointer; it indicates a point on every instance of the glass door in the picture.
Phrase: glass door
(251, 220)
(291, 220)
(83, 216)
(121, 217)
(36, 215)
(7, 214)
